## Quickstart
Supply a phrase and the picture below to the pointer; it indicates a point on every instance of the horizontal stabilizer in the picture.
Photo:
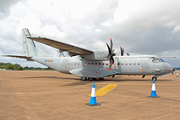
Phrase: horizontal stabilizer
(17, 56)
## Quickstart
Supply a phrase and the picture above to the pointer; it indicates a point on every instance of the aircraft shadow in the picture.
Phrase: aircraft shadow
(122, 80)
(106, 79)
(97, 80)
(52, 77)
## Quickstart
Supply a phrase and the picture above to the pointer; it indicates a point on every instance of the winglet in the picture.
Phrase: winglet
(109, 69)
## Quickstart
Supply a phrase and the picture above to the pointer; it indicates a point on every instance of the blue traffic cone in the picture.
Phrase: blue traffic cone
(93, 97)
(153, 91)
(177, 74)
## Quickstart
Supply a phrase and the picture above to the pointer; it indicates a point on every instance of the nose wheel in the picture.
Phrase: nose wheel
(155, 78)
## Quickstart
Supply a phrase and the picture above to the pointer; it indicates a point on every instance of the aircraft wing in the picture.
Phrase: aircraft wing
(17, 56)
(73, 50)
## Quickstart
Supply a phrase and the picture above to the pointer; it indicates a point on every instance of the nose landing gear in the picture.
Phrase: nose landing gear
(155, 78)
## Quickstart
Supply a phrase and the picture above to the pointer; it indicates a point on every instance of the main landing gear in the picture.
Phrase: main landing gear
(90, 78)
(155, 78)
(83, 78)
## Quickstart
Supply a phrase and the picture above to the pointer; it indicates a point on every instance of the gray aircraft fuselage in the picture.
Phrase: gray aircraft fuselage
(92, 64)
(123, 65)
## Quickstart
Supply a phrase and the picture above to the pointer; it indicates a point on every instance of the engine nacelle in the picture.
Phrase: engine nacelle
(97, 55)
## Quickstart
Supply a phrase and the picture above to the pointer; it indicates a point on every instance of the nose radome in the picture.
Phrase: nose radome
(170, 68)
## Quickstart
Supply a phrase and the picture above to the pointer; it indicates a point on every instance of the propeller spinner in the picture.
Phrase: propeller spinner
(111, 54)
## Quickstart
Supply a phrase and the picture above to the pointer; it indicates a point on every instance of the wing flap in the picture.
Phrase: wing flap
(62, 46)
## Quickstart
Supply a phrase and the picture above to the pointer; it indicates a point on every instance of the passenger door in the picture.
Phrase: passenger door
(64, 65)
(144, 67)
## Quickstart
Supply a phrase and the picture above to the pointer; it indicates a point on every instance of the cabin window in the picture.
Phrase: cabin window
(78, 64)
(126, 63)
(82, 64)
(68, 63)
(92, 63)
(95, 63)
(118, 63)
(134, 63)
(89, 63)
(102, 63)
(130, 63)
(85, 63)
(71, 64)
(122, 63)
(106, 63)
(75, 64)
(99, 63)
(138, 63)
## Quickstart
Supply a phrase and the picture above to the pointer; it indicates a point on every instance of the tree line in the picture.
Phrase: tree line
(19, 67)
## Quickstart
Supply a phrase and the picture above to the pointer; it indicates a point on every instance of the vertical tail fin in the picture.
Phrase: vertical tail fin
(28, 44)
(29, 47)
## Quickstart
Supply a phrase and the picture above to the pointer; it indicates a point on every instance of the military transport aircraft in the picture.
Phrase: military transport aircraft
(91, 65)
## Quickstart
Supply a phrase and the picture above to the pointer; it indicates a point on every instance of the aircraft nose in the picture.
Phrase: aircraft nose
(170, 68)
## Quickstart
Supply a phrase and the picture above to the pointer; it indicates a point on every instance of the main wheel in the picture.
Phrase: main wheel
(91, 78)
(101, 78)
(83, 78)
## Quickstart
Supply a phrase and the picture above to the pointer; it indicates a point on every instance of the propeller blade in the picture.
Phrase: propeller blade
(111, 43)
(122, 51)
(111, 54)
(111, 62)
(108, 50)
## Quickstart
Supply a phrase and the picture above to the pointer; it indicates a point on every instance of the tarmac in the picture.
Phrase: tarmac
(50, 95)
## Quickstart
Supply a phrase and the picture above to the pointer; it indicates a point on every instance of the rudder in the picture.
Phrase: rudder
(29, 47)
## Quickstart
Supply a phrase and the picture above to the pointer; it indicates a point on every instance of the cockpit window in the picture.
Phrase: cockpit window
(156, 60)
(161, 60)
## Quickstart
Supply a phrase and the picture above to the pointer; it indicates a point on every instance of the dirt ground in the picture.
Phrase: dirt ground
(50, 95)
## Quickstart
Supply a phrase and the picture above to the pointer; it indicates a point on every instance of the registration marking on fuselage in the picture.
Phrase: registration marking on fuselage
(104, 90)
